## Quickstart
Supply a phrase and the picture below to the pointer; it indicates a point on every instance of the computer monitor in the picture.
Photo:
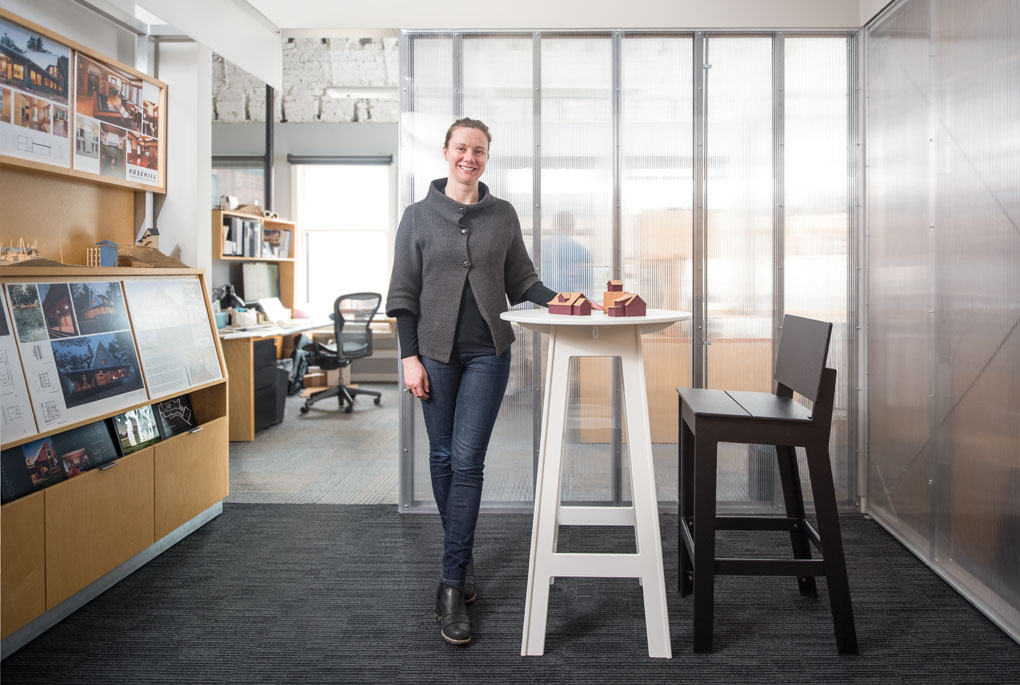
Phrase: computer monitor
(260, 280)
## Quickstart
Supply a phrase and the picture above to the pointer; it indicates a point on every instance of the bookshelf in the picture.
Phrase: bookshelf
(240, 237)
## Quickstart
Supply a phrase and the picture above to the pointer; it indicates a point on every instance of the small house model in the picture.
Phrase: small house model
(573, 304)
(107, 253)
(614, 291)
(631, 305)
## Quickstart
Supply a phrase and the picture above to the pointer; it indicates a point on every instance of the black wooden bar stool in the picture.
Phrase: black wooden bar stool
(708, 417)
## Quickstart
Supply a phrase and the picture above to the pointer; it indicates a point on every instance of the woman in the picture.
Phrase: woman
(459, 255)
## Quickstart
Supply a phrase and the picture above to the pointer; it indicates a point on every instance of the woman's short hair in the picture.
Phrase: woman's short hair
(467, 122)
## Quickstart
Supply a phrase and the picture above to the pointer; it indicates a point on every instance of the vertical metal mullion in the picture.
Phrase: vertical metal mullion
(934, 484)
(698, 251)
(617, 381)
(536, 242)
(458, 76)
(779, 189)
(405, 424)
(863, 293)
(853, 271)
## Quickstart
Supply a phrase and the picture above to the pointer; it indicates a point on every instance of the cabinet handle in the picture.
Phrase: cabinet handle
(107, 467)
(195, 430)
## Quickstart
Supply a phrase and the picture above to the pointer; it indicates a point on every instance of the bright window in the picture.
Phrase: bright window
(345, 218)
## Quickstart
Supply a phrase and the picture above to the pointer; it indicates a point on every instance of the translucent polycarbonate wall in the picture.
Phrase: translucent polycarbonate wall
(816, 240)
(943, 134)
(496, 86)
(657, 197)
(655, 158)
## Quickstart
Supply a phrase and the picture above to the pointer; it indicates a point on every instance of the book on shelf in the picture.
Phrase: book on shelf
(275, 242)
(174, 416)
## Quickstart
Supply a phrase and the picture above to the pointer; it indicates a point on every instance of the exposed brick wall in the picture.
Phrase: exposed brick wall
(309, 66)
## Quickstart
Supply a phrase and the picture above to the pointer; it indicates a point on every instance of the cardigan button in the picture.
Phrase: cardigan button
(467, 264)
(462, 210)
(464, 231)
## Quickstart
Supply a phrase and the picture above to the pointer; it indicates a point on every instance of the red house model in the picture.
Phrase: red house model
(614, 291)
(631, 305)
(574, 304)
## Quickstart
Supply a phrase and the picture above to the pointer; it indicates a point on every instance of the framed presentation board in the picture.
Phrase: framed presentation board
(68, 110)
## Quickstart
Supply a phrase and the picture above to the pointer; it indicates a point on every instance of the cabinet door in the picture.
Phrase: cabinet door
(23, 554)
(95, 522)
(191, 474)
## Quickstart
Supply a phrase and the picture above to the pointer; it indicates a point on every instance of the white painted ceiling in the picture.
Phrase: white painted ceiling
(326, 15)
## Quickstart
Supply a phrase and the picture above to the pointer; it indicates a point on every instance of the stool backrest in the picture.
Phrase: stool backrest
(803, 349)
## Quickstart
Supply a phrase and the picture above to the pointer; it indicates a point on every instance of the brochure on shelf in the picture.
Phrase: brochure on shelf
(174, 416)
(175, 342)
(135, 429)
(16, 418)
(76, 349)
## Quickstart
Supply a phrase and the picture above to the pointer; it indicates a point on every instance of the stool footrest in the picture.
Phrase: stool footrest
(769, 567)
(581, 565)
(596, 516)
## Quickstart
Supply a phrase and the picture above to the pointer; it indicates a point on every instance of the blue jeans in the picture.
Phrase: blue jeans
(464, 399)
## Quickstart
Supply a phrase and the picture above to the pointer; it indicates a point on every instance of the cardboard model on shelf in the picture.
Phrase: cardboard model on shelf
(572, 304)
(631, 305)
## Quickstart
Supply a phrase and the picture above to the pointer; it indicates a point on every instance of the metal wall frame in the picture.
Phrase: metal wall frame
(699, 218)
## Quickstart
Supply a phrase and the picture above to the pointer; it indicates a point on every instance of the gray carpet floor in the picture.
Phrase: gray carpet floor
(324, 456)
(326, 593)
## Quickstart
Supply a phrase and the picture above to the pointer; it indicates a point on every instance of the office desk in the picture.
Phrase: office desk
(238, 353)
(596, 335)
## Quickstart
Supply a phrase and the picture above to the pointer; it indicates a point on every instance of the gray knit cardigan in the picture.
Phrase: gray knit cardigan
(441, 242)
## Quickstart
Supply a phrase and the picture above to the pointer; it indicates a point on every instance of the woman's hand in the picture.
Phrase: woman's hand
(415, 377)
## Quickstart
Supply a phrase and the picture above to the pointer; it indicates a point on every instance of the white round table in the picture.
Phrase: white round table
(597, 335)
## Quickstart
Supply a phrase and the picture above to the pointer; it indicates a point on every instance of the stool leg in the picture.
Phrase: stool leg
(789, 475)
(832, 548)
(646, 510)
(547, 502)
(686, 506)
(704, 541)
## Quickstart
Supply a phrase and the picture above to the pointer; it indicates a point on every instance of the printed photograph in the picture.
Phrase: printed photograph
(136, 429)
(14, 480)
(142, 151)
(108, 94)
(150, 109)
(174, 416)
(5, 105)
(33, 113)
(86, 138)
(99, 307)
(5, 329)
(27, 312)
(203, 366)
(43, 463)
(95, 367)
(85, 447)
(34, 63)
(60, 121)
(56, 305)
(111, 151)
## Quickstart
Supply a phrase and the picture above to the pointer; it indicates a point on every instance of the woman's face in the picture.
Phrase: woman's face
(466, 154)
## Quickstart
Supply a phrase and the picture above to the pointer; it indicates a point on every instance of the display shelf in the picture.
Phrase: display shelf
(60, 543)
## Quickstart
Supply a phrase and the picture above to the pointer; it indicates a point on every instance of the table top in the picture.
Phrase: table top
(541, 320)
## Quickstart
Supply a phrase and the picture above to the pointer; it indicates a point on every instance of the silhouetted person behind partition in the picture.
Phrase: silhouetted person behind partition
(566, 263)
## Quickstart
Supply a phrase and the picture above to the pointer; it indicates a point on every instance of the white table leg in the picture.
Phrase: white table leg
(547, 500)
(646, 511)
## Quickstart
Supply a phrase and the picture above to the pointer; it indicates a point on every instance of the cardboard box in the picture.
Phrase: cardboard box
(315, 380)
(333, 376)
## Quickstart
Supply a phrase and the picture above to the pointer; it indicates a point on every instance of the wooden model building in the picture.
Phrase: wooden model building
(574, 304)
(631, 305)
(614, 291)
(150, 238)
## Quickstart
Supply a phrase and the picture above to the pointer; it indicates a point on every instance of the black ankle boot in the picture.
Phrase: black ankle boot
(455, 625)
(470, 593)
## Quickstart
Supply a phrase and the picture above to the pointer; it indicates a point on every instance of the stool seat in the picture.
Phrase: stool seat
(708, 417)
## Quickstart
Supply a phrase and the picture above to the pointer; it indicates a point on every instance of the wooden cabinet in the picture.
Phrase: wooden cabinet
(190, 477)
(60, 540)
(23, 552)
(96, 522)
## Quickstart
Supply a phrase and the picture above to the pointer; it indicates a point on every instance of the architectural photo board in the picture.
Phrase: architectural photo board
(69, 352)
(68, 110)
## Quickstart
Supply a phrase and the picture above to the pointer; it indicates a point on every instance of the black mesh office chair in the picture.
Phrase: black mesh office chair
(352, 316)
